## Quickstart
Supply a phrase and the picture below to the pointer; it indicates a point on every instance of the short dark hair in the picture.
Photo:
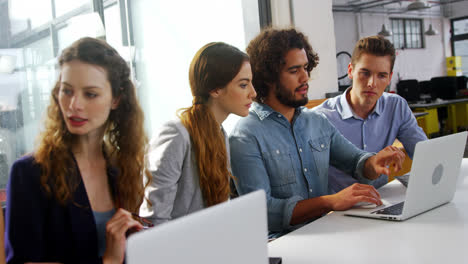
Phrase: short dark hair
(267, 52)
(374, 45)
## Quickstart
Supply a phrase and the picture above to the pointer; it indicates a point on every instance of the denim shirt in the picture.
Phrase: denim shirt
(289, 160)
(391, 119)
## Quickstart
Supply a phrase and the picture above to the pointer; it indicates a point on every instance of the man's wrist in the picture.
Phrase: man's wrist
(328, 202)
(369, 171)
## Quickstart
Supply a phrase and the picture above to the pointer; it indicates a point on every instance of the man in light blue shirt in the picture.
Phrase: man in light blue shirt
(367, 116)
(285, 149)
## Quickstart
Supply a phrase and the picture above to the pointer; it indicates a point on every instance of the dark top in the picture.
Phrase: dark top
(39, 229)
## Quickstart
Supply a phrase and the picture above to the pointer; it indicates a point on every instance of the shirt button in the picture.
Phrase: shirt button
(310, 190)
(279, 115)
(365, 146)
(277, 151)
(305, 169)
(322, 146)
(300, 150)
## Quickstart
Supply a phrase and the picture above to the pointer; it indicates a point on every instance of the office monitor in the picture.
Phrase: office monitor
(445, 87)
(426, 89)
(408, 89)
(462, 85)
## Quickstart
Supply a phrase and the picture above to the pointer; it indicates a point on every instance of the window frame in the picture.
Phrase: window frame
(453, 37)
(34, 95)
(407, 34)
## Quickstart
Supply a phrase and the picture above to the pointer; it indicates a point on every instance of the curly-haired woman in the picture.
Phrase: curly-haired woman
(72, 199)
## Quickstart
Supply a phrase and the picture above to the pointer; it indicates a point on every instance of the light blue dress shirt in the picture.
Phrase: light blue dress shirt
(391, 119)
(288, 160)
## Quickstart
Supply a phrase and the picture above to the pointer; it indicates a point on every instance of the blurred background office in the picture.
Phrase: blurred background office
(158, 39)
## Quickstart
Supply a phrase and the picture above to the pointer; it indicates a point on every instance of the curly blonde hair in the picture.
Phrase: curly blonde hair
(124, 143)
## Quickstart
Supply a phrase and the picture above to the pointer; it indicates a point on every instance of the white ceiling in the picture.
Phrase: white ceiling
(434, 7)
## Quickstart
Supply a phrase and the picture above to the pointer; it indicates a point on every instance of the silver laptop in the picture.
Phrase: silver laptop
(232, 232)
(432, 181)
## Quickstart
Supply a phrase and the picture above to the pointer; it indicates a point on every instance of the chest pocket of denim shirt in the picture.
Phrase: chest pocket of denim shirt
(280, 168)
(321, 151)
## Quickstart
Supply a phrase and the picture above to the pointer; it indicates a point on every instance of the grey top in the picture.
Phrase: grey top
(101, 219)
(175, 190)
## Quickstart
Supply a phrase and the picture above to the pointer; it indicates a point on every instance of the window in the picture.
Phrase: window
(28, 55)
(407, 33)
(459, 41)
(149, 34)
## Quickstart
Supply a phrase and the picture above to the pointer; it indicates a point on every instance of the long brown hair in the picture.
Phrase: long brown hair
(213, 67)
(124, 139)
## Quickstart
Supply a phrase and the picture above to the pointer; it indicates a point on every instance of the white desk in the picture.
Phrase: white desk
(437, 236)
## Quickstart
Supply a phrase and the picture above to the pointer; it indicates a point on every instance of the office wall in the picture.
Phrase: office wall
(458, 9)
(167, 36)
(315, 20)
(421, 64)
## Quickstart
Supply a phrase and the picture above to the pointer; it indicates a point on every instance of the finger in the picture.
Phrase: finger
(121, 226)
(120, 213)
(376, 193)
(401, 159)
(386, 160)
(118, 220)
(359, 187)
(112, 228)
(369, 200)
(368, 193)
(396, 164)
(392, 148)
(382, 170)
(366, 199)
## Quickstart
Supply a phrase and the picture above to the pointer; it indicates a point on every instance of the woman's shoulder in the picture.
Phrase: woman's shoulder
(172, 136)
(25, 163)
(172, 129)
(25, 171)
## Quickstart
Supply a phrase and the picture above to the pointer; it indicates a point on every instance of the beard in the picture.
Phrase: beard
(289, 99)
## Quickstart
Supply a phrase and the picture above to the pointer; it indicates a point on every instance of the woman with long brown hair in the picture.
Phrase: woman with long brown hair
(189, 157)
(72, 200)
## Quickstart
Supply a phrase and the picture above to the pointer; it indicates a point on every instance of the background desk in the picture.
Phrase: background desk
(457, 112)
(437, 236)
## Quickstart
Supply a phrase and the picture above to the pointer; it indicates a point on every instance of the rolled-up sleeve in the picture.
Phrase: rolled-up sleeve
(249, 168)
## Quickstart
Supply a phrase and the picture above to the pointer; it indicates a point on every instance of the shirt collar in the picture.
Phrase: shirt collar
(347, 112)
(264, 110)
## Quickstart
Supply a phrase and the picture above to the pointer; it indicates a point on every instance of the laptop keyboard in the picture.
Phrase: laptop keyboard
(396, 209)
(403, 179)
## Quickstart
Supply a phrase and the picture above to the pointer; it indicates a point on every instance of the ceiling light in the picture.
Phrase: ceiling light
(384, 32)
(416, 5)
(430, 31)
(7, 63)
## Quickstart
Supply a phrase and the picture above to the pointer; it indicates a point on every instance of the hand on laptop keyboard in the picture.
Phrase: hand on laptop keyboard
(365, 205)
